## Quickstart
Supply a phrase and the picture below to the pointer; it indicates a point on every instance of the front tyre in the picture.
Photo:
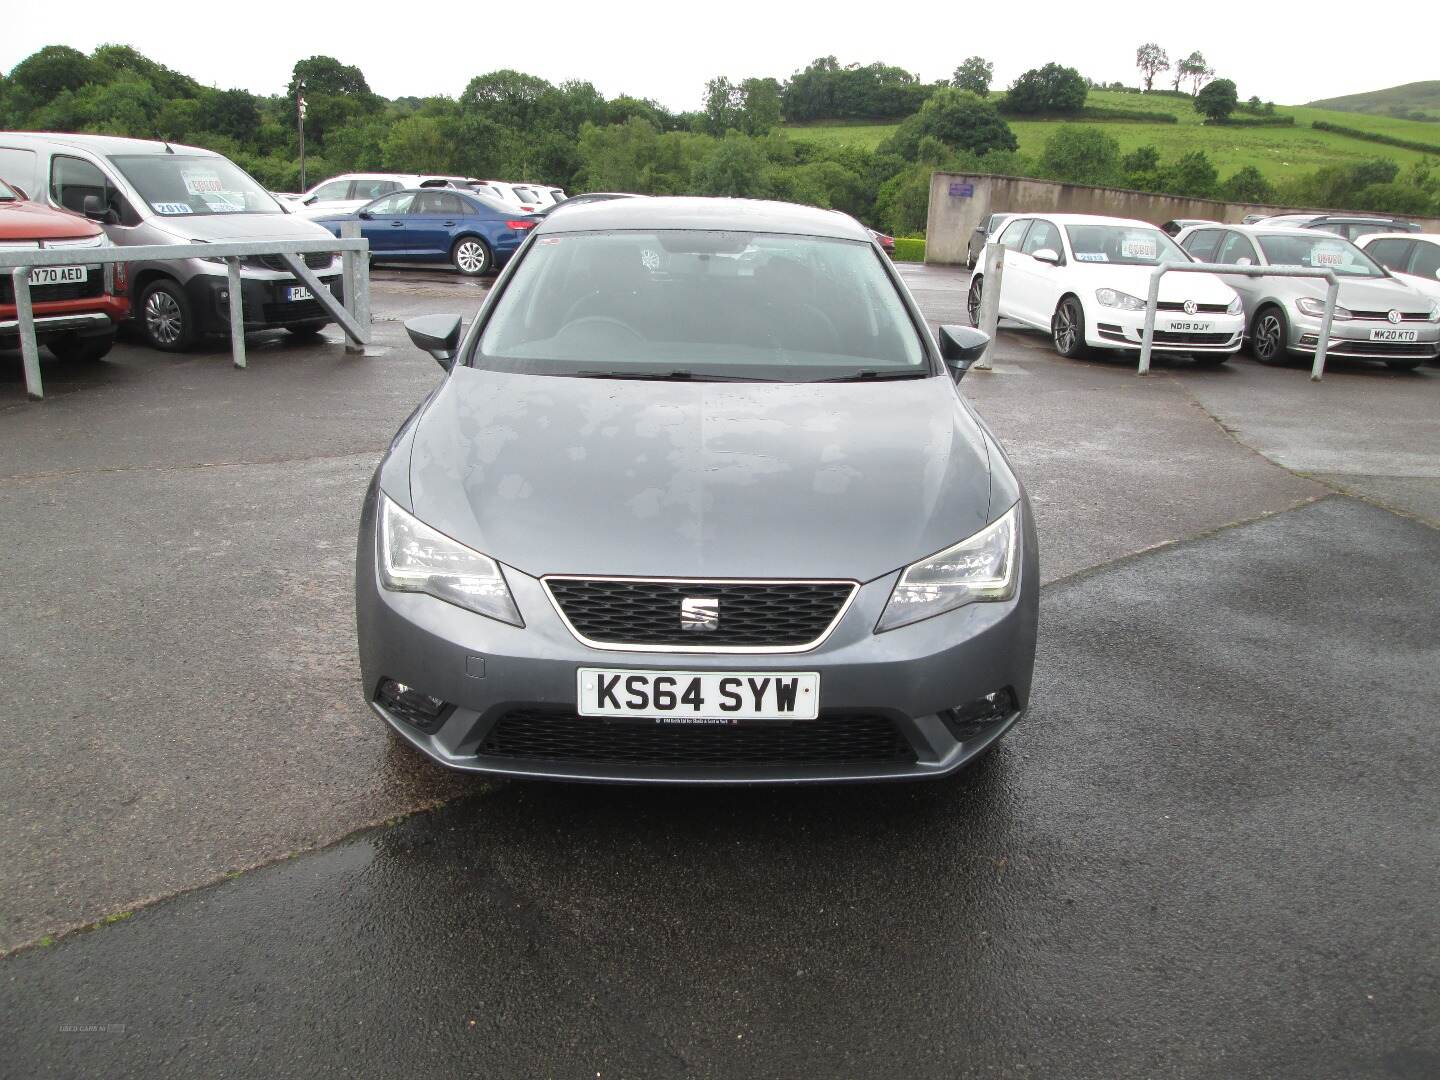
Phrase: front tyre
(471, 257)
(972, 299)
(1268, 336)
(1403, 365)
(1067, 329)
(306, 330)
(165, 317)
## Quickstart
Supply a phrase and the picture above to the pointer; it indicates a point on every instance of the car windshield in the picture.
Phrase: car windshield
(1321, 251)
(702, 304)
(1125, 245)
(176, 185)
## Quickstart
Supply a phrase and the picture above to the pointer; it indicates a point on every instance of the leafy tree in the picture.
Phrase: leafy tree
(1194, 68)
(1082, 155)
(956, 118)
(974, 75)
(231, 112)
(1192, 174)
(1248, 186)
(724, 102)
(759, 106)
(1151, 59)
(418, 144)
(43, 76)
(1217, 100)
(508, 98)
(326, 75)
(826, 90)
(737, 167)
(1051, 89)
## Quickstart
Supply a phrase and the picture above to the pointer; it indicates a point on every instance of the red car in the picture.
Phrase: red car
(76, 308)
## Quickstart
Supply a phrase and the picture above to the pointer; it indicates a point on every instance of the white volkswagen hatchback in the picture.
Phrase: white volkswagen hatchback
(1084, 279)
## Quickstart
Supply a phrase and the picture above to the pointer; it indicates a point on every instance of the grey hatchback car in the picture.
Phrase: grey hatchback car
(697, 501)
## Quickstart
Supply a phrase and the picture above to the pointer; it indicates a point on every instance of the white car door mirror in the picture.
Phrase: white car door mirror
(1243, 260)
(1046, 255)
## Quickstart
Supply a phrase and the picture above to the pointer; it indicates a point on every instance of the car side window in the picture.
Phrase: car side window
(393, 205)
(1237, 250)
(335, 189)
(373, 189)
(1014, 233)
(1393, 254)
(1426, 260)
(1042, 235)
(73, 179)
(1203, 244)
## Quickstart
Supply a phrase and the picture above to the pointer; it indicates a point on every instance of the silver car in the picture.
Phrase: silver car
(146, 192)
(697, 501)
(1377, 316)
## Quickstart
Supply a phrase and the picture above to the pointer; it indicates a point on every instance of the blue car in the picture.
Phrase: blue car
(471, 232)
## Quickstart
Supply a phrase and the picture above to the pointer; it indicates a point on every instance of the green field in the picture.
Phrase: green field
(1278, 152)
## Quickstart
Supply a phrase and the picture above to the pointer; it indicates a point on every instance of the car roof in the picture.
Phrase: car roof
(1088, 219)
(107, 144)
(1433, 238)
(739, 215)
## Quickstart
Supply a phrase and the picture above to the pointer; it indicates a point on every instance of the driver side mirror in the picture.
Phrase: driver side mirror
(20, 193)
(365, 215)
(1046, 255)
(960, 347)
(1244, 260)
(439, 335)
(96, 210)
(308, 200)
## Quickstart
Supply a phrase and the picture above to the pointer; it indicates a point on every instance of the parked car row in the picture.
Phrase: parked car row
(1084, 279)
(351, 191)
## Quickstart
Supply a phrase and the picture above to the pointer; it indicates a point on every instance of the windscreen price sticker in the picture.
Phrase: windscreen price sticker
(202, 182)
(1328, 257)
(1137, 249)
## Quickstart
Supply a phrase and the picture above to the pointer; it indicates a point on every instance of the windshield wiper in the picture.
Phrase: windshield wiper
(669, 376)
(867, 374)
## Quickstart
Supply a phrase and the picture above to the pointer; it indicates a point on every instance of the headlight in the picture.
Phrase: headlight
(1117, 299)
(984, 567)
(1308, 305)
(416, 558)
(1435, 311)
(1237, 307)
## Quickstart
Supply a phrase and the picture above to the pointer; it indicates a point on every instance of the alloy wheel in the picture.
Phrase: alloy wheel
(1268, 338)
(163, 319)
(470, 257)
(1065, 329)
(972, 301)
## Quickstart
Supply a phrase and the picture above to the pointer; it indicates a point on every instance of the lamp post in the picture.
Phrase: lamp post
(300, 125)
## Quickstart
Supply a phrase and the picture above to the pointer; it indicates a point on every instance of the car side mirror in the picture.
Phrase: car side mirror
(961, 346)
(308, 200)
(439, 335)
(365, 215)
(1046, 255)
(20, 193)
(1244, 260)
(95, 209)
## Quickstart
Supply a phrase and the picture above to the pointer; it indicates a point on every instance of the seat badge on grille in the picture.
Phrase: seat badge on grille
(699, 615)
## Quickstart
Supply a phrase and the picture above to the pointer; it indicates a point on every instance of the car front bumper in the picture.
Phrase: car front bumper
(265, 300)
(907, 680)
(1114, 328)
(1351, 338)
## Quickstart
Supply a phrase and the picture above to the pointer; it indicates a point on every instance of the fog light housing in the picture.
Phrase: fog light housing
(975, 718)
(413, 706)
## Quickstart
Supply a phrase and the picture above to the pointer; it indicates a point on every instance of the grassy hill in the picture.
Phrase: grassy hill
(1278, 152)
(1412, 97)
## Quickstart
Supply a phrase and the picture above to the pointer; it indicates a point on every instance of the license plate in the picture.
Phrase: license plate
(698, 697)
(299, 292)
(1190, 327)
(1394, 335)
(58, 275)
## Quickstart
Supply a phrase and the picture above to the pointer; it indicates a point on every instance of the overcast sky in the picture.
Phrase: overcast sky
(666, 51)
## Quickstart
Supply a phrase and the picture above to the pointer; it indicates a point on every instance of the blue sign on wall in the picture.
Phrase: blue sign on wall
(961, 191)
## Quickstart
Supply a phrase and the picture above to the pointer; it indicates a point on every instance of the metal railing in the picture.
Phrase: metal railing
(1152, 300)
(989, 315)
(353, 315)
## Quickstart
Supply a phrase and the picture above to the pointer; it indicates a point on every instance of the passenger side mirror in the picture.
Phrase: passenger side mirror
(1046, 255)
(439, 335)
(961, 346)
(1243, 260)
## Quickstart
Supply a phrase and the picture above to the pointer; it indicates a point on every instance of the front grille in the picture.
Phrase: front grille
(1175, 305)
(537, 735)
(1380, 348)
(1384, 316)
(751, 615)
(291, 311)
(1172, 337)
(315, 260)
(70, 290)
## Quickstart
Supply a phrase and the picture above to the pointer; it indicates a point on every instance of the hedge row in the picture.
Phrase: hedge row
(1102, 114)
(1376, 137)
(1254, 121)
(909, 249)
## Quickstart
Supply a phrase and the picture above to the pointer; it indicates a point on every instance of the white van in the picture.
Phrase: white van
(146, 192)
